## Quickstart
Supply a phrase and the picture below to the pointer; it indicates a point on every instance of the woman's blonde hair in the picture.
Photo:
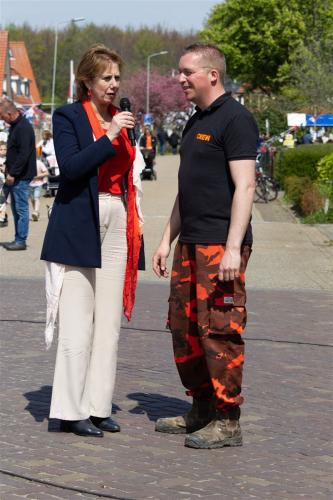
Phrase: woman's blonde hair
(93, 63)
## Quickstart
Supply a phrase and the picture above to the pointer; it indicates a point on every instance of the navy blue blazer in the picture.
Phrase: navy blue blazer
(73, 236)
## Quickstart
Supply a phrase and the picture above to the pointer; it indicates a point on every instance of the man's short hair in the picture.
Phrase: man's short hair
(211, 54)
(7, 105)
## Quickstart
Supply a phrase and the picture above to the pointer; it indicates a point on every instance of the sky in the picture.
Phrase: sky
(181, 15)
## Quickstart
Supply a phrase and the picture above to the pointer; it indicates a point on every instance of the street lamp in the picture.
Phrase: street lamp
(74, 20)
(148, 74)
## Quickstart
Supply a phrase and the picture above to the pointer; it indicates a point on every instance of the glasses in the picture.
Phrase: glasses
(188, 72)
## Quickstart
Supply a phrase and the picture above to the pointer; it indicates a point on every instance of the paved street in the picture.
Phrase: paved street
(287, 382)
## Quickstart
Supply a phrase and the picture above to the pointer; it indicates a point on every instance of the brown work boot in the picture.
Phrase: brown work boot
(217, 434)
(202, 412)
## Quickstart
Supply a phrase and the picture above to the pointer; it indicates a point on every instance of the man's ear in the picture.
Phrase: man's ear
(214, 76)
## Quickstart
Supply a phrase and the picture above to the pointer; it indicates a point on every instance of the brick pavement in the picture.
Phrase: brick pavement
(286, 453)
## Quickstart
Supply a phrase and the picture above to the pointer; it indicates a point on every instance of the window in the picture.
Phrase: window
(27, 88)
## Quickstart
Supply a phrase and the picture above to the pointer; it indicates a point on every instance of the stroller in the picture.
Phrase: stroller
(148, 172)
(53, 175)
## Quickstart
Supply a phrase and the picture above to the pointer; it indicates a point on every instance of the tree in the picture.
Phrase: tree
(318, 19)
(312, 78)
(275, 111)
(165, 93)
(133, 45)
(258, 38)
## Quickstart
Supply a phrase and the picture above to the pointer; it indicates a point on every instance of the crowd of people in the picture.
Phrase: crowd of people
(159, 139)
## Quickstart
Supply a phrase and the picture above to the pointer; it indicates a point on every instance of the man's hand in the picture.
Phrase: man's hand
(9, 180)
(230, 265)
(159, 260)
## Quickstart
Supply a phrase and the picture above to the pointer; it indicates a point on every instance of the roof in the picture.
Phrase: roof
(20, 65)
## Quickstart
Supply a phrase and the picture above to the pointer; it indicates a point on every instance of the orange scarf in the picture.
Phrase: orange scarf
(133, 227)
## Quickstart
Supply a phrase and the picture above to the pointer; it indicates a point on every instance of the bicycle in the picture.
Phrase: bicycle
(267, 188)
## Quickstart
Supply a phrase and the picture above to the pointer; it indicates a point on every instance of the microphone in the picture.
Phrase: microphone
(125, 105)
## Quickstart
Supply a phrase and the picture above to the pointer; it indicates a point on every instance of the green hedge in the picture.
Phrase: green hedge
(325, 168)
(300, 161)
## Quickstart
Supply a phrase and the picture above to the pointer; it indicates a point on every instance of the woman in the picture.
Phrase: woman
(91, 244)
(46, 146)
(148, 140)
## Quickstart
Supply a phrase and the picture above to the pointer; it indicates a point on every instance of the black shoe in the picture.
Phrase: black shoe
(15, 246)
(80, 427)
(106, 424)
(4, 223)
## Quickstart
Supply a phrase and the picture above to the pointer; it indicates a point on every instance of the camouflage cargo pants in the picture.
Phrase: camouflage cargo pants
(207, 318)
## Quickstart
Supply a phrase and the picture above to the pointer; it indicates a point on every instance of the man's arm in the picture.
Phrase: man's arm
(171, 232)
(243, 176)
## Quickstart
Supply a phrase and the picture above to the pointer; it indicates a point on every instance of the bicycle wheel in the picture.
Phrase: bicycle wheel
(267, 188)
(272, 189)
(261, 189)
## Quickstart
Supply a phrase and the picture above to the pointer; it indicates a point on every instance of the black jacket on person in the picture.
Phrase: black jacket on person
(174, 139)
(21, 150)
(162, 136)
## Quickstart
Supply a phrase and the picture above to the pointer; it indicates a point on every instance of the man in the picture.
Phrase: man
(162, 137)
(211, 215)
(21, 168)
(174, 141)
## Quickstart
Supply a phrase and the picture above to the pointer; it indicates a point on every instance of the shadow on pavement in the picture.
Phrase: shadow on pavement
(156, 405)
(39, 406)
(39, 403)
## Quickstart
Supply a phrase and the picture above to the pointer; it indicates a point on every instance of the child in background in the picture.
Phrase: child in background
(36, 189)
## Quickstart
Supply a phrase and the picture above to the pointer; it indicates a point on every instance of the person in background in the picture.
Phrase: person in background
(35, 189)
(148, 140)
(211, 216)
(307, 138)
(162, 138)
(46, 145)
(21, 169)
(174, 141)
(92, 244)
(4, 190)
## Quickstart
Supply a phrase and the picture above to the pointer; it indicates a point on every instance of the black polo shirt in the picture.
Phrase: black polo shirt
(224, 131)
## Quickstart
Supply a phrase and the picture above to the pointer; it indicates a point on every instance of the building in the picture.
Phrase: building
(17, 80)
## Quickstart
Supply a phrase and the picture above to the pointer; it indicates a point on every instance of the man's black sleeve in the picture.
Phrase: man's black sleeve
(241, 137)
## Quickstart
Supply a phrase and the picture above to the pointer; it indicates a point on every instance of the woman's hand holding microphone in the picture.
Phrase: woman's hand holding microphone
(125, 119)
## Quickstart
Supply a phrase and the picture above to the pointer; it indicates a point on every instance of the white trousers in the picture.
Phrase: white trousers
(90, 310)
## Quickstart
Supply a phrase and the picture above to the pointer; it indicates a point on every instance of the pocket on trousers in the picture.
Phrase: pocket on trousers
(227, 315)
